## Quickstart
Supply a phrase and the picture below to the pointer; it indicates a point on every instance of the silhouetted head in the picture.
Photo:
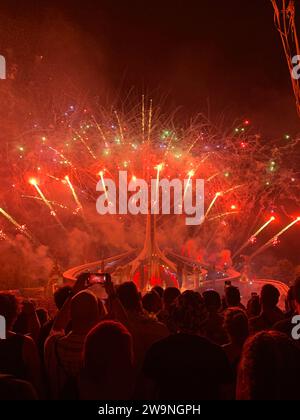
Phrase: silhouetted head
(9, 308)
(169, 296)
(42, 315)
(236, 325)
(269, 368)
(152, 302)
(290, 304)
(61, 295)
(129, 296)
(84, 311)
(212, 300)
(253, 306)
(232, 296)
(159, 290)
(107, 351)
(269, 296)
(189, 313)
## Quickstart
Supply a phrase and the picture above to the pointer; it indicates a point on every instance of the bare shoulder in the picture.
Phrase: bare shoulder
(28, 341)
(29, 344)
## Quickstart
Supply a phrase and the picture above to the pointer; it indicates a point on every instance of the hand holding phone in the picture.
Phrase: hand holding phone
(109, 286)
(96, 278)
(100, 284)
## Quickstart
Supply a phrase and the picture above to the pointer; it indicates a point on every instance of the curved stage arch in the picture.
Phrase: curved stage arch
(169, 269)
(246, 288)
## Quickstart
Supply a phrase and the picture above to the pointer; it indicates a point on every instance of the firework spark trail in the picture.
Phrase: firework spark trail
(191, 173)
(103, 184)
(159, 168)
(271, 241)
(262, 227)
(21, 228)
(120, 127)
(67, 161)
(219, 216)
(6, 238)
(2, 235)
(34, 183)
(168, 148)
(100, 130)
(88, 148)
(218, 194)
(54, 177)
(246, 243)
(54, 203)
(143, 117)
(212, 177)
(150, 121)
(193, 144)
(232, 189)
(203, 160)
(154, 207)
(77, 201)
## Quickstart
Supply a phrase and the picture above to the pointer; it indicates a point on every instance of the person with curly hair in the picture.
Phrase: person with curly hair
(269, 368)
(186, 365)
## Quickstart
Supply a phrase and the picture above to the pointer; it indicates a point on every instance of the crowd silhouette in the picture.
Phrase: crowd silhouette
(162, 345)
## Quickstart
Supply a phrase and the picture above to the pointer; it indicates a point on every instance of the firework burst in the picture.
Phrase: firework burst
(245, 179)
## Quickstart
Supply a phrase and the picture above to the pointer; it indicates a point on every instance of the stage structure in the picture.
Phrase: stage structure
(151, 266)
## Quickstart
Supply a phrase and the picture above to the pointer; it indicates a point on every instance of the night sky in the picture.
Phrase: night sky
(222, 58)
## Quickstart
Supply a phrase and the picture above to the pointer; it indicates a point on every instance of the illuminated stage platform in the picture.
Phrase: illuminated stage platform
(169, 269)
